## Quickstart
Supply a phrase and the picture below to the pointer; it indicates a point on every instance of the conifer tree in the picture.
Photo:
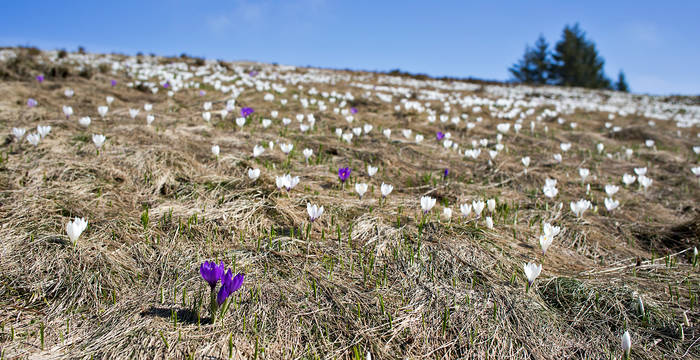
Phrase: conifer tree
(534, 67)
(621, 84)
(576, 61)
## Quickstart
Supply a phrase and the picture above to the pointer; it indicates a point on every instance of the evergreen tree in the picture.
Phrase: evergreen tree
(621, 84)
(576, 61)
(535, 65)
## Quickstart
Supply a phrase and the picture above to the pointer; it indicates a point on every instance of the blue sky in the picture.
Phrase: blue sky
(654, 42)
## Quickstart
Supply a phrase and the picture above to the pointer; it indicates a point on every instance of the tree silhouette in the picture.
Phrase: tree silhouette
(576, 61)
(573, 62)
(534, 67)
(621, 84)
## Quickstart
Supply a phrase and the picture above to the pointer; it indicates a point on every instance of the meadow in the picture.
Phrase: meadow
(460, 219)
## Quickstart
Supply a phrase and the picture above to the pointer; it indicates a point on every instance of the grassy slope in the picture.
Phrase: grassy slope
(453, 291)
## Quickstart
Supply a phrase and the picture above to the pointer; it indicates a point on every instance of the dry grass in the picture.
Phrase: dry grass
(131, 289)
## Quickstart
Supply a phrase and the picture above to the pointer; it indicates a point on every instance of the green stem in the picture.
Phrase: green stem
(213, 304)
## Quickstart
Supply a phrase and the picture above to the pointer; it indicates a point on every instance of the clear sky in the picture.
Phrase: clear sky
(654, 42)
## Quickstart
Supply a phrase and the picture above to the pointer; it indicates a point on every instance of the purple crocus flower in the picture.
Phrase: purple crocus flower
(229, 285)
(440, 135)
(344, 174)
(202, 92)
(253, 73)
(211, 272)
(40, 78)
(114, 83)
(246, 111)
(166, 84)
(31, 102)
(445, 173)
(353, 110)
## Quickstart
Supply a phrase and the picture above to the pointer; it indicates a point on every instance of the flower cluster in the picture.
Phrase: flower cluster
(212, 273)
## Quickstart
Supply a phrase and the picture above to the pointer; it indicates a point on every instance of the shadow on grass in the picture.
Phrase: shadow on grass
(183, 315)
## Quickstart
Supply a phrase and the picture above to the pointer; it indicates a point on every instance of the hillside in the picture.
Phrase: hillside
(385, 279)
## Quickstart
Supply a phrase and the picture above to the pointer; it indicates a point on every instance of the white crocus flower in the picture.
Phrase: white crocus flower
(548, 234)
(526, 162)
(583, 173)
(465, 209)
(75, 228)
(491, 205)
(626, 344)
(447, 213)
(550, 188)
(84, 121)
(266, 123)
(43, 130)
(314, 211)
(148, 107)
(640, 171)
(489, 222)
(371, 170)
(34, 139)
(98, 140)
(557, 157)
(253, 174)
(579, 207)
(69, 93)
(133, 113)
(307, 154)
(427, 203)
(258, 150)
(611, 190)
(565, 146)
(644, 181)
(611, 204)
(18, 133)
(292, 182)
(215, 150)
(628, 179)
(287, 148)
(149, 119)
(102, 110)
(695, 170)
(109, 100)
(348, 137)
(387, 133)
(478, 207)
(68, 111)
(361, 189)
(532, 271)
(282, 181)
(386, 189)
